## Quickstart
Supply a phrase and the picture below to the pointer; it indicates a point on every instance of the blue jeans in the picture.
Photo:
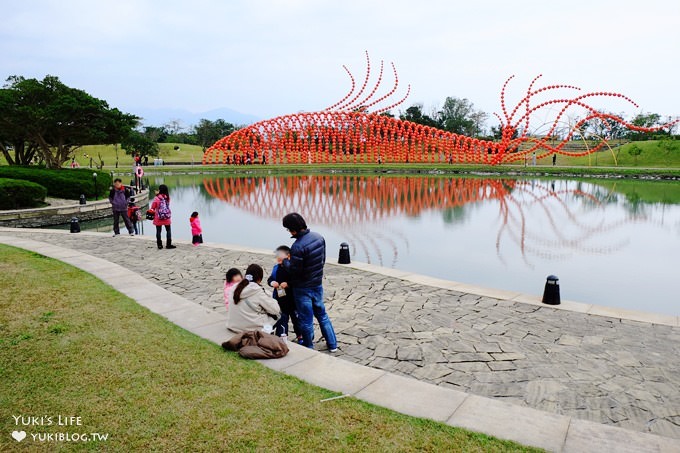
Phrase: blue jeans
(281, 325)
(309, 304)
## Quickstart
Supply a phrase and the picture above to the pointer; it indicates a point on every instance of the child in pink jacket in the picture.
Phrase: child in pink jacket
(196, 230)
(232, 279)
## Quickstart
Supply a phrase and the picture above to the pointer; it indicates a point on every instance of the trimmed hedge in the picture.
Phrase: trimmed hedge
(63, 183)
(17, 194)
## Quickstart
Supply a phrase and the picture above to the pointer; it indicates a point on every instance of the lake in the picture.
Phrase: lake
(611, 242)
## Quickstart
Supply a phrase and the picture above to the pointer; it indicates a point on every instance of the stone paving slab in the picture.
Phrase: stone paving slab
(412, 397)
(296, 355)
(337, 375)
(608, 370)
(193, 317)
(583, 436)
(215, 332)
(521, 424)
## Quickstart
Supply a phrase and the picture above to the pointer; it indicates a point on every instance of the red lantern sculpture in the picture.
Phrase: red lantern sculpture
(347, 132)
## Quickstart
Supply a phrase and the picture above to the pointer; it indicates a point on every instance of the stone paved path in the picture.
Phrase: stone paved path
(611, 371)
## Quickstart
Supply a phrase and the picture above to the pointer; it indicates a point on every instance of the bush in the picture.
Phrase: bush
(62, 183)
(17, 194)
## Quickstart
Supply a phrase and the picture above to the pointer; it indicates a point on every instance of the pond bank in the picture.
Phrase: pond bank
(61, 212)
(424, 169)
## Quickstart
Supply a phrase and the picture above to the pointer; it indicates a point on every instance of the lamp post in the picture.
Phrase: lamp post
(96, 192)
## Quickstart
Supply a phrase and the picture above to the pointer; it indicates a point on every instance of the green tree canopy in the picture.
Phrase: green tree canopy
(460, 117)
(415, 114)
(142, 143)
(456, 115)
(208, 132)
(53, 119)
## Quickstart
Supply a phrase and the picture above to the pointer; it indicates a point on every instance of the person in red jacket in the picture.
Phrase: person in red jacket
(162, 216)
(196, 230)
(133, 214)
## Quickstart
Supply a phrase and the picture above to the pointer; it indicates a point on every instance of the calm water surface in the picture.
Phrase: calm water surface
(610, 243)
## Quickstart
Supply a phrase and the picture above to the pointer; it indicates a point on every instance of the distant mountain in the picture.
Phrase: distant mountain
(159, 117)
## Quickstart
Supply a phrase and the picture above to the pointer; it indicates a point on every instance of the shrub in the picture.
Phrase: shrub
(16, 194)
(61, 183)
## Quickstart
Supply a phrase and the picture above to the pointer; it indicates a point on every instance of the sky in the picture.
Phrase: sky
(269, 58)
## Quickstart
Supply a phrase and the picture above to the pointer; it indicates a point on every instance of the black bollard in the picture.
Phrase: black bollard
(75, 225)
(343, 258)
(551, 293)
(82, 199)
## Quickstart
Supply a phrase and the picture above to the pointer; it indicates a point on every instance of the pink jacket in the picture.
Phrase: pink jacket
(195, 226)
(154, 207)
(228, 293)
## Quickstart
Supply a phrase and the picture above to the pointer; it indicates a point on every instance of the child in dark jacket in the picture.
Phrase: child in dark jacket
(283, 295)
(133, 214)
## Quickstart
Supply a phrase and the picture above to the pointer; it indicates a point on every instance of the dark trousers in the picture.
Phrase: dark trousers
(134, 226)
(197, 239)
(116, 221)
(168, 234)
(281, 325)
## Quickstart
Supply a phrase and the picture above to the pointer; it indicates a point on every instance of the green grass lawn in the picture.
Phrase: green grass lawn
(108, 153)
(71, 345)
(653, 155)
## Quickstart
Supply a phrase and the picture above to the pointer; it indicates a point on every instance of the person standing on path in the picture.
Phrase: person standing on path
(162, 216)
(118, 197)
(305, 267)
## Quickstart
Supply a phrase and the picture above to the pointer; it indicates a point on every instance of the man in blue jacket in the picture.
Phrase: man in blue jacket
(305, 266)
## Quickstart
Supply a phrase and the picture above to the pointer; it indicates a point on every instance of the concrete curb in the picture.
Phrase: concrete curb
(409, 396)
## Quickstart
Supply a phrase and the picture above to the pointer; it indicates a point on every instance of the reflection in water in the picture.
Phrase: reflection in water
(542, 220)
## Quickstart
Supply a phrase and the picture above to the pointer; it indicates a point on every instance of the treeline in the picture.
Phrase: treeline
(145, 140)
(45, 122)
(461, 117)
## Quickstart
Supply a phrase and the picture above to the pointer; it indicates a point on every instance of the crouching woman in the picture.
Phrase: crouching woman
(252, 308)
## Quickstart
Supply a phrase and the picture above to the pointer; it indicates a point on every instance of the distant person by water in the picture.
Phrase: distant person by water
(118, 197)
(162, 216)
(196, 230)
(305, 266)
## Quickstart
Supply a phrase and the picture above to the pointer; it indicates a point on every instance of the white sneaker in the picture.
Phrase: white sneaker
(333, 350)
(116, 234)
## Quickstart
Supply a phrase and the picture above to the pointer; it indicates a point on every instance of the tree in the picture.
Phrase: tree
(635, 151)
(415, 114)
(644, 120)
(174, 126)
(157, 134)
(460, 117)
(208, 132)
(139, 143)
(53, 120)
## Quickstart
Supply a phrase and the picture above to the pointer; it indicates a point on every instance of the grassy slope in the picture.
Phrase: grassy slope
(652, 156)
(71, 345)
